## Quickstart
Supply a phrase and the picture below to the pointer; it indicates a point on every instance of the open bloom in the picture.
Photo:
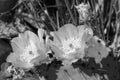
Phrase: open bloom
(28, 49)
(69, 42)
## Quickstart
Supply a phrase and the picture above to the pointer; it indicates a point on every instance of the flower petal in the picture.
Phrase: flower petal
(81, 30)
(67, 31)
(70, 30)
(56, 40)
(39, 58)
(61, 33)
(40, 34)
(31, 36)
(19, 42)
(58, 53)
(16, 49)
(42, 45)
(85, 33)
(14, 59)
(38, 42)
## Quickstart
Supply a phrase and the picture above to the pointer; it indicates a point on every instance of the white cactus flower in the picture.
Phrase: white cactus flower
(28, 49)
(69, 42)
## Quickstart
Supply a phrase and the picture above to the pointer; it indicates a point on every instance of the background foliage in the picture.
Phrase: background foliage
(21, 15)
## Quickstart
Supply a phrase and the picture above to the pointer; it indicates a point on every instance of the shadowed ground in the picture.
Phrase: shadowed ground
(5, 50)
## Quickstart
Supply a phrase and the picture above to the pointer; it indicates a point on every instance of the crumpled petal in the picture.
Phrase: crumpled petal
(96, 50)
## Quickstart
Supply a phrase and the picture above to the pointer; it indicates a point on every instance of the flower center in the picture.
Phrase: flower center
(30, 52)
(70, 45)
